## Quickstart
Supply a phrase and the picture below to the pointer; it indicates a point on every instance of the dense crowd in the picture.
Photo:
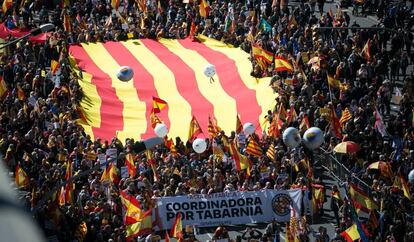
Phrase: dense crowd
(39, 119)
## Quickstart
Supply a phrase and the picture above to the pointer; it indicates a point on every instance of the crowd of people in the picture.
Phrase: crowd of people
(39, 119)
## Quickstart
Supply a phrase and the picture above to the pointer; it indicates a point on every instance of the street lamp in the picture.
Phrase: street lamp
(42, 29)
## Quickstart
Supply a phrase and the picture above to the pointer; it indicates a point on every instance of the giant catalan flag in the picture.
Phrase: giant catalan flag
(173, 71)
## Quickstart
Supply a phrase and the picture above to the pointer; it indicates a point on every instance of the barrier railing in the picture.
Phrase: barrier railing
(342, 174)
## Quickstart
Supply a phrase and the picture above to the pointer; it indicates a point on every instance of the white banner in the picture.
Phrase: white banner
(230, 208)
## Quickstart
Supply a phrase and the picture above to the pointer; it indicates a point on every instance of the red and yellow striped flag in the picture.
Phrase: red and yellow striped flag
(346, 116)
(154, 120)
(22, 180)
(177, 228)
(239, 126)
(401, 184)
(213, 129)
(271, 153)
(171, 69)
(253, 148)
(66, 23)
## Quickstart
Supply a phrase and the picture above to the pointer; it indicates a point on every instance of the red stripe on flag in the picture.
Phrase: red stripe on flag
(186, 81)
(111, 107)
(232, 83)
(143, 82)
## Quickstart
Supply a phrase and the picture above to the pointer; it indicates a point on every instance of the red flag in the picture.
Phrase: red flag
(20, 93)
(154, 119)
(115, 4)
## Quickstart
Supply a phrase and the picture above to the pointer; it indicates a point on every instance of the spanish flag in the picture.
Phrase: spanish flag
(281, 64)
(253, 148)
(204, 8)
(242, 162)
(239, 126)
(158, 104)
(22, 180)
(195, 130)
(141, 227)
(132, 208)
(177, 228)
(359, 196)
(129, 162)
(336, 126)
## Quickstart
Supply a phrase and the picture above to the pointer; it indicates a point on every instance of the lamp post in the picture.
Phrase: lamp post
(42, 29)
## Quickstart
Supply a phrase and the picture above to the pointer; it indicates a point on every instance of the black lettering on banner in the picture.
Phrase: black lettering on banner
(249, 201)
(176, 206)
(202, 205)
(200, 214)
(241, 202)
(193, 206)
(169, 207)
(258, 210)
(189, 215)
(216, 213)
(234, 212)
(215, 204)
(223, 204)
(257, 201)
(170, 216)
(245, 211)
(207, 214)
(185, 206)
(226, 213)
(232, 203)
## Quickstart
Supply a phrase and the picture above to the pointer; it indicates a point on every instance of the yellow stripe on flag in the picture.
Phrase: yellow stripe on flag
(91, 105)
(134, 109)
(225, 109)
(179, 110)
(264, 95)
